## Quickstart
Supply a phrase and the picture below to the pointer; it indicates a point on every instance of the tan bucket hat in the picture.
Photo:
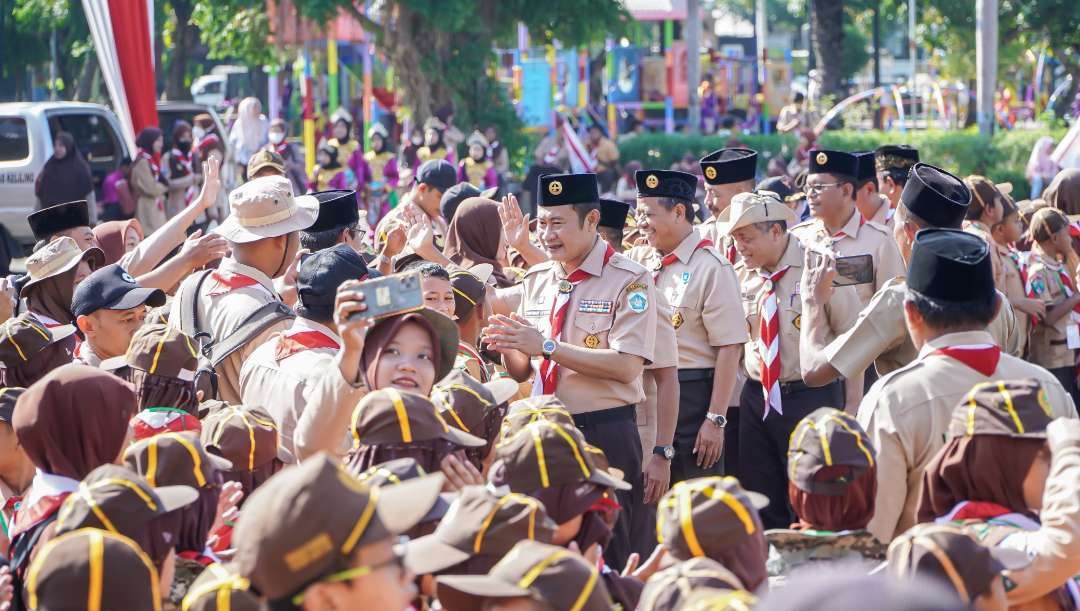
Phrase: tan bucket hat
(751, 208)
(59, 256)
(266, 208)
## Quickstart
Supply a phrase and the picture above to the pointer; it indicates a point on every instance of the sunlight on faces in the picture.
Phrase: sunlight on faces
(562, 234)
(407, 363)
(903, 232)
(110, 331)
(662, 228)
(388, 586)
(428, 198)
(83, 236)
(830, 201)
(718, 197)
(438, 295)
(759, 245)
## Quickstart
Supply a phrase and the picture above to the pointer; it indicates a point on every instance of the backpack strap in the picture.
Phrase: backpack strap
(261, 319)
(188, 298)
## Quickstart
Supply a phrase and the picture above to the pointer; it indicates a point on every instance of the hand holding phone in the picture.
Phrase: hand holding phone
(390, 295)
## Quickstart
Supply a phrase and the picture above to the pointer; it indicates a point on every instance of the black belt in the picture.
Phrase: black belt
(787, 388)
(1058, 342)
(611, 414)
(696, 375)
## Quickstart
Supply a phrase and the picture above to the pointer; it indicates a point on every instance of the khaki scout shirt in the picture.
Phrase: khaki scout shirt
(224, 313)
(614, 308)
(841, 310)
(703, 290)
(1013, 287)
(396, 217)
(880, 336)
(723, 242)
(907, 414)
(858, 237)
(981, 230)
(884, 214)
(1049, 346)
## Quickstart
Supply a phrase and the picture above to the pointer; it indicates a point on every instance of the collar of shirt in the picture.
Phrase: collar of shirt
(851, 227)
(594, 262)
(962, 338)
(49, 484)
(302, 324)
(792, 257)
(688, 246)
(228, 264)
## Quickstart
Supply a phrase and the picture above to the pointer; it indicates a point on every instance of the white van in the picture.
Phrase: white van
(27, 132)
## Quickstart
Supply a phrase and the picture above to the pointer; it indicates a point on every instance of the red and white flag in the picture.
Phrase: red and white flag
(581, 161)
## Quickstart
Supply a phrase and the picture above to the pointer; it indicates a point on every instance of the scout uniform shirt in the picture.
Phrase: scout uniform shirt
(703, 292)
(615, 307)
(1049, 281)
(396, 216)
(981, 230)
(858, 237)
(1014, 271)
(226, 299)
(907, 414)
(724, 243)
(884, 214)
(880, 336)
(841, 310)
(665, 355)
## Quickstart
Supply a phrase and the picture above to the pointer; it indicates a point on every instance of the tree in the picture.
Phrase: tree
(26, 29)
(827, 38)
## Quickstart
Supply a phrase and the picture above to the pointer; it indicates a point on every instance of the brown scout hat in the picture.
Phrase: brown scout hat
(1014, 408)
(24, 336)
(669, 589)
(59, 256)
(699, 514)
(388, 416)
(245, 436)
(399, 470)
(523, 412)
(713, 599)
(828, 437)
(160, 350)
(545, 573)
(949, 553)
(118, 500)
(470, 286)
(465, 403)
(92, 569)
(265, 158)
(480, 523)
(219, 589)
(175, 459)
(545, 453)
(306, 520)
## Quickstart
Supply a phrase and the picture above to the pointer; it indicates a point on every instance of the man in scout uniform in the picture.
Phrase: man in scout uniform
(727, 173)
(337, 222)
(585, 324)
(317, 537)
(262, 234)
(893, 162)
(873, 206)
(950, 299)
(706, 312)
(774, 398)
(109, 306)
(71, 219)
(312, 364)
(932, 198)
(613, 222)
(838, 227)
(433, 178)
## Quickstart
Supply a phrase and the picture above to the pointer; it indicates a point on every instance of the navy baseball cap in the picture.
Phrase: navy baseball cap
(437, 173)
(321, 274)
(112, 288)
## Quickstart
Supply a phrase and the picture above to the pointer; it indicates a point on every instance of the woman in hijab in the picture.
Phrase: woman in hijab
(180, 169)
(248, 134)
(69, 423)
(1010, 472)
(147, 184)
(1064, 191)
(117, 238)
(1040, 167)
(476, 236)
(53, 272)
(66, 176)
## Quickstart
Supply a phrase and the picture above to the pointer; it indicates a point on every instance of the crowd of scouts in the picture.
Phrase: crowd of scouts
(683, 405)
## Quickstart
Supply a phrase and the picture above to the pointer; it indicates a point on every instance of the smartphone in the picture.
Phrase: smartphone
(390, 295)
(857, 269)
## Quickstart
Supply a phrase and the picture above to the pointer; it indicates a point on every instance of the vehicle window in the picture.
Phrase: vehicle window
(93, 135)
(212, 87)
(14, 141)
(167, 119)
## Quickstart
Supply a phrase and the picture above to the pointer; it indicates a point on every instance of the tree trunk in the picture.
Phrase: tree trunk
(185, 38)
(86, 77)
(827, 28)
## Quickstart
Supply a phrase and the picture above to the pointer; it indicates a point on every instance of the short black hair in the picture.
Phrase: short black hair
(315, 241)
(765, 226)
(921, 223)
(583, 210)
(898, 176)
(799, 97)
(428, 269)
(948, 316)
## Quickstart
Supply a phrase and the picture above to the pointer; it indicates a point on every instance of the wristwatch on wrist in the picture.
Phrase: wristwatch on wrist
(548, 347)
(719, 420)
(667, 452)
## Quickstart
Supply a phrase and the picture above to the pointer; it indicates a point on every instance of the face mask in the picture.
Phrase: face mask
(276, 137)
(198, 132)
(417, 140)
(183, 145)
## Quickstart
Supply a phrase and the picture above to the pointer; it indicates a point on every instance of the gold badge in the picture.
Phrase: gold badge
(651, 181)
(555, 187)
(591, 341)
(710, 172)
(565, 286)
(797, 321)
(821, 159)
(677, 320)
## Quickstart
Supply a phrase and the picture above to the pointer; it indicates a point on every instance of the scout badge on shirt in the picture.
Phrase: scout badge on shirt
(677, 319)
(592, 341)
(565, 287)
(637, 300)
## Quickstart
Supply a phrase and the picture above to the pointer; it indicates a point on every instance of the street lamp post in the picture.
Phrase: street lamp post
(986, 46)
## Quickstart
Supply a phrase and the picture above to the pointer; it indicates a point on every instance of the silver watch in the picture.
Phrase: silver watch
(548, 347)
(719, 420)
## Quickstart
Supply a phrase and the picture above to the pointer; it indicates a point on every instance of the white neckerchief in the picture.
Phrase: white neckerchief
(49, 484)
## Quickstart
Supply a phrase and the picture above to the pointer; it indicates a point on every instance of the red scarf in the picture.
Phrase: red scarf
(981, 359)
(227, 281)
(288, 345)
(979, 510)
(155, 162)
(671, 257)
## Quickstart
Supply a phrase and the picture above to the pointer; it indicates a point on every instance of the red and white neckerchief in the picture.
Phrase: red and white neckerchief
(547, 380)
(281, 147)
(289, 344)
(228, 281)
(769, 342)
(188, 165)
(731, 253)
(671, 257)
(980, 357)
(155, 162)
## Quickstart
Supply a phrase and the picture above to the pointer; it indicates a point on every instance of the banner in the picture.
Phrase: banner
(535, 105)
(624, 84)
(568, 78)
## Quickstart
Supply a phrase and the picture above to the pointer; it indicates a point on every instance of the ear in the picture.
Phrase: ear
(85, 324)
(592, 219)
(912, 316)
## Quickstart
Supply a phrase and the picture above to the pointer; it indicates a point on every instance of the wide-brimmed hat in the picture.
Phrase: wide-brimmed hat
(387, 416)
(545, 453)
(266, 208)
(23, 337)
(752, 208)
(59, 256)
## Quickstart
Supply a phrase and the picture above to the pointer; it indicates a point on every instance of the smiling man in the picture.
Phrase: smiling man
(585, 325)
(727, 173)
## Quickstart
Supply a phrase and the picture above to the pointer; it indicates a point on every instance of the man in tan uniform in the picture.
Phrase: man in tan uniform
(838, 228)
(872, 205)
(893, 162)
(433, 178)
(585, 327)
(932, 198)
(262, 231)
(707, 315)
(950, 300)
(727, 173)
(774, 397)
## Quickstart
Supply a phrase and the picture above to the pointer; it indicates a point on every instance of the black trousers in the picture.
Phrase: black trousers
(615, 432)
(1067, 377)
(763, 443)
(695, 390)
(730, 457)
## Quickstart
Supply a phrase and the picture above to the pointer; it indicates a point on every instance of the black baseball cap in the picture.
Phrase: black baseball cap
(8, 396)
(437, 173)
(112, 288)
(320, 274)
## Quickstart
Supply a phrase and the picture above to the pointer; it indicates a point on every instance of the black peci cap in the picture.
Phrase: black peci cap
(112, 288)
(729, 165)
(337, 210)
(54, 219)
(320, 274)
(864, 166)
(666, 183)
(935, 196)
(613, 214)
(834, 162)
(567, 189)
(951, 265)
(895, 157)
(778, 185)
(8, 396)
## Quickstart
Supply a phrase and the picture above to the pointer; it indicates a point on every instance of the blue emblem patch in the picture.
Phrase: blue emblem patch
(638, 302)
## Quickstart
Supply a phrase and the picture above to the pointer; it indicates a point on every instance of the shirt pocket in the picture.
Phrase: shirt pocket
(592, 330)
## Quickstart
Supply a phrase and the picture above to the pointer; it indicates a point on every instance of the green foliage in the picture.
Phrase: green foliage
(234, 30)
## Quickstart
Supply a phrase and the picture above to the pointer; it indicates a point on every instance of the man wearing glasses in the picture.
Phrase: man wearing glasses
(338, 222)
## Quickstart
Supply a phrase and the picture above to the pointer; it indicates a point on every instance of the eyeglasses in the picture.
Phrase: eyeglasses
(397, 559)
(818, 188)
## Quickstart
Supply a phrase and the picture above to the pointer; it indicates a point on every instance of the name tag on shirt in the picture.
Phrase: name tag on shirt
(596, 306)
(1072, 336)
